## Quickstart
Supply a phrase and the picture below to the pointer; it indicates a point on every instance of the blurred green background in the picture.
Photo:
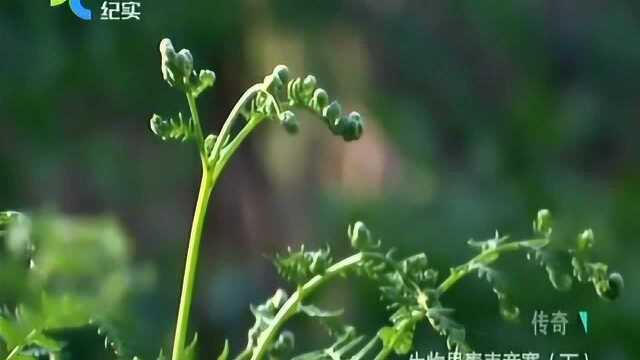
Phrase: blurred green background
(478, 113)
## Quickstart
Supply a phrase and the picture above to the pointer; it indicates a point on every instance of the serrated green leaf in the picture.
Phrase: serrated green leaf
(11, 332)
(179, 129)
(299, 266)
(400, 341)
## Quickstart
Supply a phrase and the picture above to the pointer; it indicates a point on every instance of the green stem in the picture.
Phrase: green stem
(226, 128)
(14, 352)
(291, 306)
(245, 354)
(365, 349)
(196, 124)
(488, 257)
(191, 265)
(211, 170)
(229, 150)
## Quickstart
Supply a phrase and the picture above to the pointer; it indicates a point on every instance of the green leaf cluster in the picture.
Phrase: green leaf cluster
(72, 272)
(300, 266)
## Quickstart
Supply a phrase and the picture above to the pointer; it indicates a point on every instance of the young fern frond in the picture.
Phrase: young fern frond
(412, 290)
(175, 129)
(274, 99)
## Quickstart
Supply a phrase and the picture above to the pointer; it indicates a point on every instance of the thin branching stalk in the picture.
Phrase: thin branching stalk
(233, 115)
(211, 169)
(486, 258)
(290, 306)
(197, 129)
(274, 98)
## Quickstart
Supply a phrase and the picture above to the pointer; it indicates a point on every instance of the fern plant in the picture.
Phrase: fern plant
(410, 289)
(274, 99)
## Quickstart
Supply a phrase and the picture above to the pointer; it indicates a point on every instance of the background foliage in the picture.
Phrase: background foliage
(478, 114)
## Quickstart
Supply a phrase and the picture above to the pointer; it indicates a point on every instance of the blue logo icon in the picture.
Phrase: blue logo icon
(76, 7)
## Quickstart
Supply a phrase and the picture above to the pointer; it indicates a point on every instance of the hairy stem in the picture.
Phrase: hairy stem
(488, 257)
(291, 306)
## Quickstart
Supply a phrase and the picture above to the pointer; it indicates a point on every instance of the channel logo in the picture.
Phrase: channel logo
(76, 7)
